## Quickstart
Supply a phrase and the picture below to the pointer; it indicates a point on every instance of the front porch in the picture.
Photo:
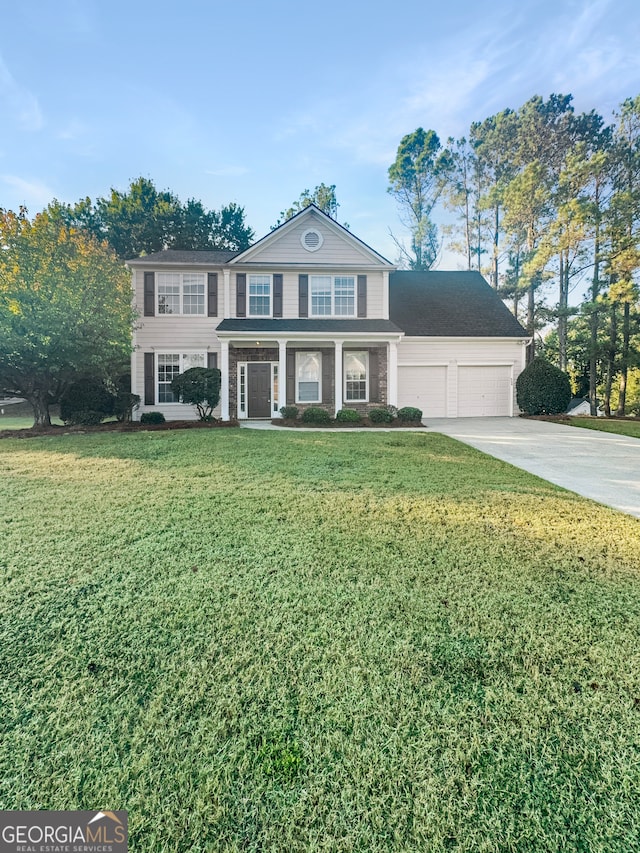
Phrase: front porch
(260, 376)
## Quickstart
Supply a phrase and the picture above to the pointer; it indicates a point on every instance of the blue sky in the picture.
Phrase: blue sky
(253, 102)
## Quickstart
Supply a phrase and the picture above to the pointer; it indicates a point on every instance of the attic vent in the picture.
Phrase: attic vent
(311, 240)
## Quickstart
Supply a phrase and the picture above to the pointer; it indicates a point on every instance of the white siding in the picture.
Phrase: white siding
(290, 303)
(170, 333)
(481, 372)
(286, 248)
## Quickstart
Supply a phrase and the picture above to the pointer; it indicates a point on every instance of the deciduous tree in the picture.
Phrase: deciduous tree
(65, 308)
(143, 220)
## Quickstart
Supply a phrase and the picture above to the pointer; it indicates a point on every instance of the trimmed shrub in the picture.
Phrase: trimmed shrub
(289, 413)
(381, 416)
(199, 386)
(348, 416)
(87, 402)
(152, 418)
(316, 415)
(410, 414)
(543, 389)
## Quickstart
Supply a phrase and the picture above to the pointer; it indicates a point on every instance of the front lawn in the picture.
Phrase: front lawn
(268, 641)
(618, 426)
(21, 419)
(19, 422)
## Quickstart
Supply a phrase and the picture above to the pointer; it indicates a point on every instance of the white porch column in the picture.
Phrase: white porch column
(392, 375)
(338, 376)
(282, 374)
(224, 380)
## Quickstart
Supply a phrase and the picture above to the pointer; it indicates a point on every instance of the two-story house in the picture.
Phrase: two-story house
(310, 315)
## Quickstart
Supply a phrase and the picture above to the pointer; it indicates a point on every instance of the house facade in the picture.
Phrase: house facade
(312, 316)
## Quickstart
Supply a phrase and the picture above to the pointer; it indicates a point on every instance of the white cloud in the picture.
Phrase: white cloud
(31, 193)
(17, 103)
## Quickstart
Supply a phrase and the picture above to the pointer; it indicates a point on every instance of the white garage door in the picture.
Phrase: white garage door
(424, 387)
(484, 390)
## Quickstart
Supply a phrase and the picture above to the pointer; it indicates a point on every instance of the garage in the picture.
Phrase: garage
(484, 390)
(425, 387)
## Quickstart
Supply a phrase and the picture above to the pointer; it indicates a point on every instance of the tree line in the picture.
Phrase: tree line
(543, 200)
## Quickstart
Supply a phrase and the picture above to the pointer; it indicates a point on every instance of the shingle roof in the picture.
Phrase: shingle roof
(449, 304)
(184, 256)
(296, 325)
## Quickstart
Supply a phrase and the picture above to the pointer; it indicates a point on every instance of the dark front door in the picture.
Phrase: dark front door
(259, 397)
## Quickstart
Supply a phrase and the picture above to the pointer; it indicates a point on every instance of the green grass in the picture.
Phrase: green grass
(21, 422)
(268, 641)
(8, 422)
(620, 427)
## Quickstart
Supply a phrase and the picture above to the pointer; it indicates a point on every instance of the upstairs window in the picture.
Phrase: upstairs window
(333, 296)
(320, 295)
(344, 287)
(259, 295)
(181, 293)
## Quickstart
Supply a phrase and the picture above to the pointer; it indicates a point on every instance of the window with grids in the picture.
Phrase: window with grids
(333, 296)
(308, 377)
(356, 371)
(259, 295)
(320, 295)
(171, 365)
(181, 293)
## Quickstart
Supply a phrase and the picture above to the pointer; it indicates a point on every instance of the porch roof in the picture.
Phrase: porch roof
(306, 326)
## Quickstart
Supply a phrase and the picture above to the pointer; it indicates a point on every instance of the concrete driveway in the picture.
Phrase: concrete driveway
(597, 465)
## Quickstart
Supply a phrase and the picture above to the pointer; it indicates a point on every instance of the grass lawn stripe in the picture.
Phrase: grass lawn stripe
(260, 641)
(620, 427)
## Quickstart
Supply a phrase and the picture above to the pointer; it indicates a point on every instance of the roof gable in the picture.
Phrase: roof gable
(449, 304)
(334, 247)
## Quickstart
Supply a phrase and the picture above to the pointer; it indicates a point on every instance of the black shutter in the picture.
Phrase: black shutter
(149, 294)
(212, 360)
(303, 295)
(149, 379)
(362, 296)
(327, 378)
(291, 377)
(241, 294)
(277, 295)
(212, 290)
(374, 376)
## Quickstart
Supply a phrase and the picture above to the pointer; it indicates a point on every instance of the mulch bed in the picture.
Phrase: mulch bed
(365, 422)
(132, 426)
